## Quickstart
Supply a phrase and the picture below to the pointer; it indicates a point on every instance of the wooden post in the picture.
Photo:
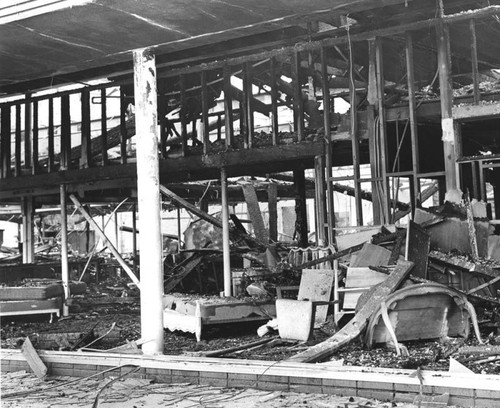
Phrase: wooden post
(353, 116)
(5, 135)
(299, 182)
(117, 231)
(204, 112)
(123, 128)
(148, 195)
(475, 73)
(382, 139)
(17, 148)
(446, 93)
(179, 231)
(34, 140)
(228, 105)
(248, 98)
(65, 133)
(64, 248)
(182, 114)
(272, 201)
(86, 157)
(104, 128)
(412, 107)
(50, 135)
(27, 132)
(162, 119)
(274, 101)
(298, 107)
(28, 214)
(330, 212)
(226, 250)
(319, 175)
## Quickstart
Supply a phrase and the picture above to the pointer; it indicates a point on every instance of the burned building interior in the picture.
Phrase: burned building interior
(227, 192)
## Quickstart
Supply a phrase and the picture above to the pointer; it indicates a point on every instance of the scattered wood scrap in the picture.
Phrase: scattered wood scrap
(357, 325)
(33, 359)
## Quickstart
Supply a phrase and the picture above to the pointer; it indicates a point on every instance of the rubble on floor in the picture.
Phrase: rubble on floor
(137, 392)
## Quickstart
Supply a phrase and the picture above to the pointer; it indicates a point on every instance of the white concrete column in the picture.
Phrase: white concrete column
(148, 197)
(226, 250)
(64, 249)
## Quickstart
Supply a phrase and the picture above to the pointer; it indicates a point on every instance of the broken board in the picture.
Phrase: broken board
(371, 255)
(358, 281)
(359, 322)
(418, 243)
(316, 285)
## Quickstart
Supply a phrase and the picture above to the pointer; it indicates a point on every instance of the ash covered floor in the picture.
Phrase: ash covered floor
(137, 393)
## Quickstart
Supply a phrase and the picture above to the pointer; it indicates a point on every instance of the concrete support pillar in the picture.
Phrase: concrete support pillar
(148, 197)
(226, 250)
(28, 213)
(64, 249)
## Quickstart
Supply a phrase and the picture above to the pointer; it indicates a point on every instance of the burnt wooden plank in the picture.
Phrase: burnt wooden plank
(299, 183)
(418, 243)
(254, 212)
(33, 359)
(272, 194)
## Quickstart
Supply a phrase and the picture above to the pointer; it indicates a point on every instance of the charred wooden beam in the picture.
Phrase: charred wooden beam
(228, 105)
(34, 140)
(123, 126)
(104, 129)
(17, 147)
(274, 100)
(65, 157)
(204, 112)
(50, 136)
(85, 158)
(5, 139)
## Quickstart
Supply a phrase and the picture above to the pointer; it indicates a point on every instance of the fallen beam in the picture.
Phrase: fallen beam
(359, 322)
